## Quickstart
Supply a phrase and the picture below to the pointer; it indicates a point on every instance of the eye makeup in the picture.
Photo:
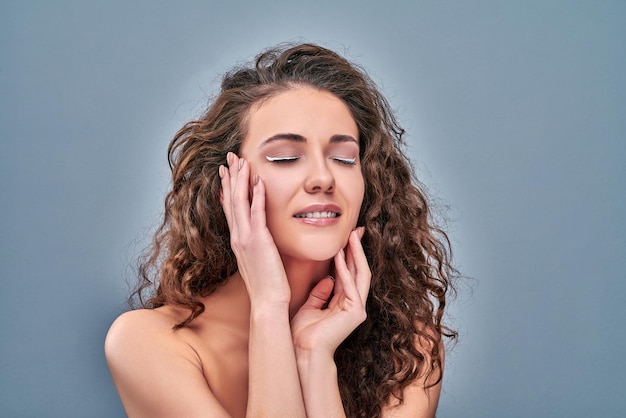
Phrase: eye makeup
(346, 161)
(283, 149)
(280, 159)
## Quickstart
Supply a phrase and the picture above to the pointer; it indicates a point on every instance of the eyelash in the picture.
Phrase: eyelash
(286, 160)
(281, 160)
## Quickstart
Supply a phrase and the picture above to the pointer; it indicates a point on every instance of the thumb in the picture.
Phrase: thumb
(320, 293)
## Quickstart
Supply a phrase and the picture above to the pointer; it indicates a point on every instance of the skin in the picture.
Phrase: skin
(264, 346)
(304, 161)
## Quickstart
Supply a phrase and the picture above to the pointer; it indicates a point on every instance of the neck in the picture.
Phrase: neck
(302, 277)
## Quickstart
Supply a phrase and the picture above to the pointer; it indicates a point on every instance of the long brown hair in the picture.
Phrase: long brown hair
(409, 255)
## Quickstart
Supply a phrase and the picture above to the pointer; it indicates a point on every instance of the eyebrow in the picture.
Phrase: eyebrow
(300, 139)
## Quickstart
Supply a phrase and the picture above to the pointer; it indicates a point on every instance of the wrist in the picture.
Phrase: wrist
(271, 291)
(269, 312)
(313, 346)
(306, 356)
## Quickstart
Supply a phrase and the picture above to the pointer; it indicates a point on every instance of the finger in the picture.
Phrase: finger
(360, 231)
(345, 281)
(257, 208)
(349, 258)
(225, 195)
(320, 293)
(240, 195)
(337, 261)
(364, 275)
(233, 174)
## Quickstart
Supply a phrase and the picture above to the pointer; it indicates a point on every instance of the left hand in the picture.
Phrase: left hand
(315, 329)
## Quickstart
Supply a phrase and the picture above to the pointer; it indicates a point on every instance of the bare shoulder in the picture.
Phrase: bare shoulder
(149, 361)
(135, 329)
(143, 336)
(421, 396)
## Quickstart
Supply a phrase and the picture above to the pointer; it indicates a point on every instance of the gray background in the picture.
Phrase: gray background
(516, 120)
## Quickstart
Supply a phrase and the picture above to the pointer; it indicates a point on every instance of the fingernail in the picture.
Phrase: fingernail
(241, 160)
(255, 179)
(330, 277)
(221, 171)
(230, 158)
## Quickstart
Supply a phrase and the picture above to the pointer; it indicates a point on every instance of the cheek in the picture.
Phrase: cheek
(358, 191)
(276, 192)
(355, 192)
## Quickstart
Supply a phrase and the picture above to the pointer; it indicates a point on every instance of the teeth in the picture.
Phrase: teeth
(317, 215)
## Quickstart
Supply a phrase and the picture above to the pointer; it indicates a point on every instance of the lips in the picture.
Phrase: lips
(319, 211)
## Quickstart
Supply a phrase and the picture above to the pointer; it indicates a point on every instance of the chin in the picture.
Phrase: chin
(313, 251)
(310, 254)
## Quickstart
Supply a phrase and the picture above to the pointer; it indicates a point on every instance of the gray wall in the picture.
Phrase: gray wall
(516, 120)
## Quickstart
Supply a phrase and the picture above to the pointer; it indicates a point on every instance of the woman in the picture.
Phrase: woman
(298, 271)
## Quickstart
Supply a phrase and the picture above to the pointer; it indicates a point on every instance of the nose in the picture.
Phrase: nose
(319, 178)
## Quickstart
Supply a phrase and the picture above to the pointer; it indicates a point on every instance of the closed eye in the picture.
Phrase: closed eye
(281, 160)
(346, 161)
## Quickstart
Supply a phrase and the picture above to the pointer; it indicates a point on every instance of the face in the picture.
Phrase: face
(304, 144)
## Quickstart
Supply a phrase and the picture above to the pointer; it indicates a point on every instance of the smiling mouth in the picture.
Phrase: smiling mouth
(315, 215)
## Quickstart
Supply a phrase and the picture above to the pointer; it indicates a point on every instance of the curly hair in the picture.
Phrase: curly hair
(409, 256)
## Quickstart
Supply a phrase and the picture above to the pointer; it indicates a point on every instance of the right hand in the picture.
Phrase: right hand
(258, 260)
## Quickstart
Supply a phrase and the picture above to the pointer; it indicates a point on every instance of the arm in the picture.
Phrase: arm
(274, 386)
(317, 332)
(317, 370)
(318, 374)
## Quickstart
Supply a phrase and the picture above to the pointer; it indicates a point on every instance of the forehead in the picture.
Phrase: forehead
(311, 113)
